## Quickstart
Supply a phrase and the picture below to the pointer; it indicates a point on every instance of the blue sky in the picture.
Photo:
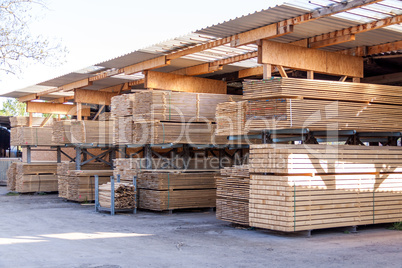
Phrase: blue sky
(98, 30)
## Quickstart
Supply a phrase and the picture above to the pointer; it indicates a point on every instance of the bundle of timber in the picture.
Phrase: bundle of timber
(95, 132)
(106, 116)
(180, 199)
(156, 132)
(79, 185)
(127, 168)
(178, 106)
(64, 167)
(168, 190)
(316, 186)
(22, 121)
(321, 114)
(233, 193)
(122, 105)
(61, 132)
(123, 130)
(36, 177)
(124, 195)
(319, 89)
(20, 136)
(11, 176)
(231, 118)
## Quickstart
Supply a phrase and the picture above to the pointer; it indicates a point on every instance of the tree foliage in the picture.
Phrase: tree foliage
(12, 107)
(17, 45)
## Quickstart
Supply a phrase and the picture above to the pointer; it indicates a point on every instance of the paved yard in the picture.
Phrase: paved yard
(45, 231)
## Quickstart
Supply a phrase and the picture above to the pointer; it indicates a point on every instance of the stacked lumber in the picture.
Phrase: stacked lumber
(36, 177)
(180, 199)
(122, 105)
(296, 188)
(63, 171)
(11, 176)
(177, 106)
(79, 185)
(22, 121)
(167, 190)
(61, 132)
(231, 118)
(124, 195)
(123, 130)
(106, 116)
(127, 168)
(319, 105)
(320, 89)
(156, 132)
(95, 132)
(20, 136)
(233, 193)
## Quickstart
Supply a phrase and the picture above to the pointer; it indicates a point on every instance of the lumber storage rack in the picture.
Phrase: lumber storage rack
(112, 208)
(305, 136)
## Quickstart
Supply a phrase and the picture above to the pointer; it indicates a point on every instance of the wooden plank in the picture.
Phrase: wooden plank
(146, 65)
(46, 120)
(29, 97)
(341, 7)
(332, 41)
(251, 72)
(343, 78)
(167, 81)
(297, 57)
(99, 111)
(55, 108)
(310, 75)
(116, 88)
(93, 97)
(195, 70)
(267, 71)
(78, 84)
(282, 71)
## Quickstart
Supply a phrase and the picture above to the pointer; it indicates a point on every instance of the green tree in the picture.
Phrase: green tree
(18, 47)
(12, 107)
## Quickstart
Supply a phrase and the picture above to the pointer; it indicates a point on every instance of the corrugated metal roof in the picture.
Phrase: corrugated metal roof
(248, 22)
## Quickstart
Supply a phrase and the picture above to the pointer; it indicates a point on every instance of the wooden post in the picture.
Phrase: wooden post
(58, 117)
(267, 71)
(356, 80)
(343, 78)
(79, 111)
(310, 75)
(30, 119)
(282, 71)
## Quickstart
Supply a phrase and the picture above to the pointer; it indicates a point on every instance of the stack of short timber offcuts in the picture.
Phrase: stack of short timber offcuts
(124, 195)
(79, 185)
(22, 121)
(232, 194)
(65, 167)
(93, 132)
(122, 116)
(11, 176)
(161, 190)
(284, 103)
(21, 136)
(36, 177)
(307, 187)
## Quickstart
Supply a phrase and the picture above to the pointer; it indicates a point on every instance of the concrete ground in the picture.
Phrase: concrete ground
(45, 231)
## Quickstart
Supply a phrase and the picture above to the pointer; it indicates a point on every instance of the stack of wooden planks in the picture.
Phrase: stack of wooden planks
(61, 132)
(177, 106)
(231, 118)
(306, 187)
(122, 105)
(318, 105)
(94, 132)
(79, 185)
(233, 193)
(22, 121)
(168, 190)
(20, 136)
(156, 132)
(105, 116)
(127, 168)
(11, 176)
(123, 130)
(124, 195)
(36, 177)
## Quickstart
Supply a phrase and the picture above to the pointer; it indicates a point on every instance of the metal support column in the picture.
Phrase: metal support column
(78, 158)
(112, 156)
(112, 195)
(29, 154)
(266, 137)
(58, 154)
(148, 156)
(186, 155)
(96, 193)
